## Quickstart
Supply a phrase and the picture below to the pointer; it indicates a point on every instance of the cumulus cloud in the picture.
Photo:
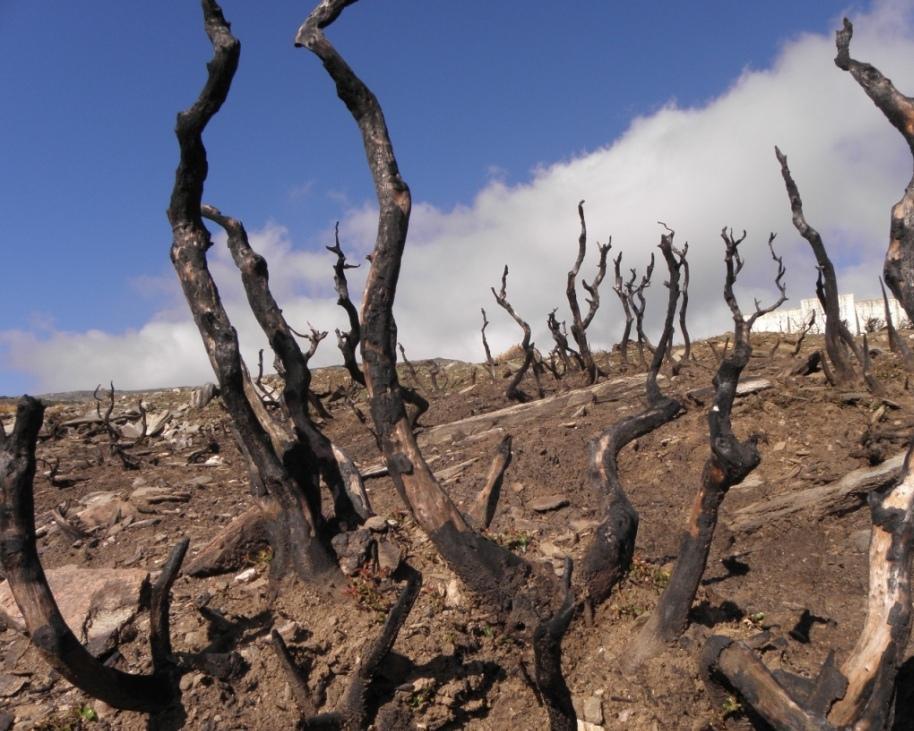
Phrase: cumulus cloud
(697, 169)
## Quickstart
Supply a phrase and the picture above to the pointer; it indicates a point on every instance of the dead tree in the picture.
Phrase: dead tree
(529, 601)
(837, 337)
(115, 448)
(860, 694)
(580, 324)
(562, 348)
(49, 633)
(349, 341)
(286, 469)
(802, 334)
(687, 341)
(514, 392)
(729, 463)
(490, 363)
(638, 304)
(621, 289)
(898, 269)
(610, 552)
(350, 507)
(896, 342)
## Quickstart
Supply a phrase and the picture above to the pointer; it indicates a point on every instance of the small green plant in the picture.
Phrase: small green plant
(731, 706)
(630, 610)
(642, 572)
(87, 713)
(756, 618)
(421, 698)
(517, 541)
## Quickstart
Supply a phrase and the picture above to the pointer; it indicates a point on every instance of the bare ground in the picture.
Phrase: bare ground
(453, 666)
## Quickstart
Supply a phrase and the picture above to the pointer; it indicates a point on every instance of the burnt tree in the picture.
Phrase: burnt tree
(154, 692)
(562, 348)
(531, 602)
(729, 463)
(687, 341)
(622, 289)
(837, 337)
(896, 342)
(514, 392)
(898, 269)
(638, 304)
(609, 554)
(580, 324)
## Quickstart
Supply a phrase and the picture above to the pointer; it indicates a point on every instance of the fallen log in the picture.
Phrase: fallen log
(835, 498)
(511, 416)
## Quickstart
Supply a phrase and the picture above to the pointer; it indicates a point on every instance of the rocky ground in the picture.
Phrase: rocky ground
(107, 521)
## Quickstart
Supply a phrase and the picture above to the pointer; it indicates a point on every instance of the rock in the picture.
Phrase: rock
(104, 509)
(779, 447)
(453, 597)
(389, 555)
(10, 685)
(6, 721)
(549, 502)
(580, 412)
(351, 549)
(96, 603)
(201, 480)
(146, 498)
(752, 480)
(593, 710)
(200, 397)
(246, 576)
(517, 487)
(214, 461)
(377, 524)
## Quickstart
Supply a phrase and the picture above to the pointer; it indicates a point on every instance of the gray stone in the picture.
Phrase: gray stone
(351, 549)
(95, 603)
(376, 523)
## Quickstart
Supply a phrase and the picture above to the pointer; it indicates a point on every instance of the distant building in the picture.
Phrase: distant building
(859, 315)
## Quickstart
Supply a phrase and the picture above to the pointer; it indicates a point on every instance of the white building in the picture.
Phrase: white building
(856, 314)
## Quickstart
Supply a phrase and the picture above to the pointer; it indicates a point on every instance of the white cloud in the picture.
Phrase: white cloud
(697, 169)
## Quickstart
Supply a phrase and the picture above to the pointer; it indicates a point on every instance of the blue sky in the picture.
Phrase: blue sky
(485, 100)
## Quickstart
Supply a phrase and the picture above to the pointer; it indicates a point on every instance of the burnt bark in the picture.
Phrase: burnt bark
(490, 363)
(898, 269)
(579, 323)
(609, 554)
(836, 334)
(289, 477)
(687, 341)
(860, 694)
(729, 463)
(514, 392)
(637, 303)
(316, 450)
(621, 289)
(346, 341)
(562, 348)
(47, 629)
(896, 342)
(524, 599)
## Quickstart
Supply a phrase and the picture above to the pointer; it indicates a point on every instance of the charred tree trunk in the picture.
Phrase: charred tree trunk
(47, 628)
(860, 694)
(638, 304)
(621, 289)
(350, 508)
(580, 324)
(687, 341)
(835, 339)
(526, 599)
(896, 342)
(514, 392)
(899, 110)
(297, 534)
(561, 343)
(490, 363)
(610, 552)
(729, 463)
(346, 341)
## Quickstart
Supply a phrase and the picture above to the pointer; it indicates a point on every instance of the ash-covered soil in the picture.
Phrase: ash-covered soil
(802, 577)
